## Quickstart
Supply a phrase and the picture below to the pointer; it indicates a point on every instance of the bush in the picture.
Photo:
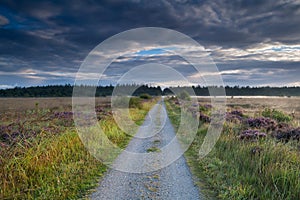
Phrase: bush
(277, 115)
(234, 116)
(135, 102)
(145, 96)
(285, 132)
(204, 118)
(261, 122)
(120, 102)
(184, 95)
(251, 134)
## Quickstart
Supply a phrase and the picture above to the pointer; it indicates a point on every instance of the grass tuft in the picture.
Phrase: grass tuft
(153, 149)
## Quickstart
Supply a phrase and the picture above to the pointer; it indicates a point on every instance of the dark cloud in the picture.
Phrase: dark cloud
(57, 35)
(3, 20)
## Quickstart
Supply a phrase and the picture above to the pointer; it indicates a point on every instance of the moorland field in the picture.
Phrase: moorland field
(256, 157)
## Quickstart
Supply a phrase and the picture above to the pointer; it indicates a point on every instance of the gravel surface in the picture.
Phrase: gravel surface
(149, 177)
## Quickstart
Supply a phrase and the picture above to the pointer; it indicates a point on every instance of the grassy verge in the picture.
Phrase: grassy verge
(245, 169)
(56, 165)
(54, 168)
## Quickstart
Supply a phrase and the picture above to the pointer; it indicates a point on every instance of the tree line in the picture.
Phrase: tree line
(239, 91)
(67, 90)
(137, 90)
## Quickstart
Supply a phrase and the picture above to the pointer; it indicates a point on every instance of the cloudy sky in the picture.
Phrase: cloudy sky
(251, 42)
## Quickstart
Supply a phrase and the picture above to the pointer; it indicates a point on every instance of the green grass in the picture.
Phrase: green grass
(57, 165)
(54, 168)
(277, 115)
(153, 149)
(233, 171)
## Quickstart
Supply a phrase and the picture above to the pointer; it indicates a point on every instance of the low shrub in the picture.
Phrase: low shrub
(234, 116)
(204, 118)
(286, 133)
(184, 95)
(277, 115)
(135, 102)
(145, 96)
(261, 122)
(251, 134)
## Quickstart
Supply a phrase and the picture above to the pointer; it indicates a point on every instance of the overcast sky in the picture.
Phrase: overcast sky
(251, 42)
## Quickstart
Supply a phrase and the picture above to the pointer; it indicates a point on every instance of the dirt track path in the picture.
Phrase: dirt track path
(171, 182)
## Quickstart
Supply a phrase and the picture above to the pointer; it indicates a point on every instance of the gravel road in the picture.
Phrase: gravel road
(154, 180)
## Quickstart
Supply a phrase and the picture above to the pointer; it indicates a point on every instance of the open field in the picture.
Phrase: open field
(41, 154)
(21, 104)
(254, 105)
(42, 157)
(258, 153)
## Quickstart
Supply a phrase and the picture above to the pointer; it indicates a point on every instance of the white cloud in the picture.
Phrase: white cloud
(225, 72)
(292, 84)
(259, 52)
(7, 86)
(165, 84)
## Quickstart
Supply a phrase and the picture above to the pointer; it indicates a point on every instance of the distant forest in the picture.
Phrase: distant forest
(67, 91)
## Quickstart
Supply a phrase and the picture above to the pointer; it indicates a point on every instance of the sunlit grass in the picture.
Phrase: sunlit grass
(57, 165)
(54, 168)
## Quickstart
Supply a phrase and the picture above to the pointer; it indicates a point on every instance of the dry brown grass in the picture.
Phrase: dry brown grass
(21, 104)
(253, 106)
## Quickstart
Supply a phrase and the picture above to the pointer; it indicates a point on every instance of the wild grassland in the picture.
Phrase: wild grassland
(41, 154)
(249, 168)
(58, 167)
